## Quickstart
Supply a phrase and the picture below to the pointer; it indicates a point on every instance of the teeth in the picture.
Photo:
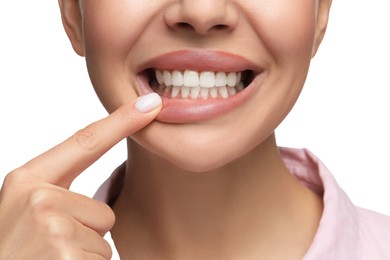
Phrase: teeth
(167, 78)
(191, 78)
(204, 93)
(231, 91)
(175, 91)
(231, 79)
(240, 86)
(221, 79)
(223, 91)
(159, 77)
(192, 84)
(185, 91)
(238, 78)
(195, 92)
(207, 79)
(177, 78)
(214, 92)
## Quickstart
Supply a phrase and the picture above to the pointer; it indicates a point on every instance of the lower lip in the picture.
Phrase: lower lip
(194, 110)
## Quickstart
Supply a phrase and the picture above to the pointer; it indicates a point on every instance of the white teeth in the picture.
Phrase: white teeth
(175, 91)
(159, 77)
(231, 79)
(220, 79)
(238, 78)
(177, 78)
(204, 93)
(192, 84)
(195, 92)
(231, 91)
(207, 79)
(191, 78)
(185, 91)
(214, 92)
(223, 91)
(167, 78)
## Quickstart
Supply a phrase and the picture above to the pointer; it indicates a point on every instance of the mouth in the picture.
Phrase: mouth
(199, 85)
(190, 84)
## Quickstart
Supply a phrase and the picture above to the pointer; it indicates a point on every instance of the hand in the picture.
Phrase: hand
(40, 218)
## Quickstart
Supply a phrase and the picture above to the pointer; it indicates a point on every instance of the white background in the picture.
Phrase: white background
(342, 115)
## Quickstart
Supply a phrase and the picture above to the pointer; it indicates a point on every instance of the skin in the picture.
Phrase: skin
(41, 217)
(225, 194)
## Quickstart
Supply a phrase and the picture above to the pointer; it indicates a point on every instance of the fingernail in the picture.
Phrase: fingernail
(148, 102)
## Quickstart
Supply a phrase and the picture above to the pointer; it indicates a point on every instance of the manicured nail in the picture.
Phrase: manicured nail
(148, 102)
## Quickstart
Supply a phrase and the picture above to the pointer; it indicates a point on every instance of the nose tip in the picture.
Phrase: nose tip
(202, 16)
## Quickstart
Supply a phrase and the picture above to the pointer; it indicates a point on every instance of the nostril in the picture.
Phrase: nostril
(184, 25)
(220, 27)
(202, 17)
(189, 27)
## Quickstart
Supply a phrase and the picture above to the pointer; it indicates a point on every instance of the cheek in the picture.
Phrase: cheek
(111, 28)
(110, 25)
(285, 27)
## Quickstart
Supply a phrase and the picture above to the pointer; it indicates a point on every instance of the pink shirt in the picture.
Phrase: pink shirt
(346, 232)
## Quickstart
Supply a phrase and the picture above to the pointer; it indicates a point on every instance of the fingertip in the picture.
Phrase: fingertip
(148, 102)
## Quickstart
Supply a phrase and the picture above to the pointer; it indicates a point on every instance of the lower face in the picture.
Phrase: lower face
(224, 91)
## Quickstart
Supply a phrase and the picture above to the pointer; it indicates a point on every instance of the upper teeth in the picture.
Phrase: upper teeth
(193, 84)
(204, 79)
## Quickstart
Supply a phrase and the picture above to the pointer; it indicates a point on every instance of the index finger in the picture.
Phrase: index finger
(64, 162)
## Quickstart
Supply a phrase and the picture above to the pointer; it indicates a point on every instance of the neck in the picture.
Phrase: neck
(236, 211)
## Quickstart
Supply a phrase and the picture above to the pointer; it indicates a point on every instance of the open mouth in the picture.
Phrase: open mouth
(197, 85)
(191, 84)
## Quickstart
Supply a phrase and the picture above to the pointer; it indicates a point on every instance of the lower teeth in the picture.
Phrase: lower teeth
(196, 92)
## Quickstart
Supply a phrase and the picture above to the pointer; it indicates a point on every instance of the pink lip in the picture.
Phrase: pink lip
(188, 110)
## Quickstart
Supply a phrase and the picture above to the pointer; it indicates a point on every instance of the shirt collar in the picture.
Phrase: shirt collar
(337, 236)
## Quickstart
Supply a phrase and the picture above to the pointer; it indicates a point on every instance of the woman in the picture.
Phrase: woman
(205, 179)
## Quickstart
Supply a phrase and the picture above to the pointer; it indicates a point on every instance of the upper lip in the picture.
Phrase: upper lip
(200, 60)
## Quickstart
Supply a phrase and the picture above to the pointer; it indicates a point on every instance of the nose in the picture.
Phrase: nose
(202, 16)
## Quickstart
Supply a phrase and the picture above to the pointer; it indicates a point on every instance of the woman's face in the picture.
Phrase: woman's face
(229, 71)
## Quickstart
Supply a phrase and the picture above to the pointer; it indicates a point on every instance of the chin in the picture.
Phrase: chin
(202, 164)
(194, 158)
(199, 154)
